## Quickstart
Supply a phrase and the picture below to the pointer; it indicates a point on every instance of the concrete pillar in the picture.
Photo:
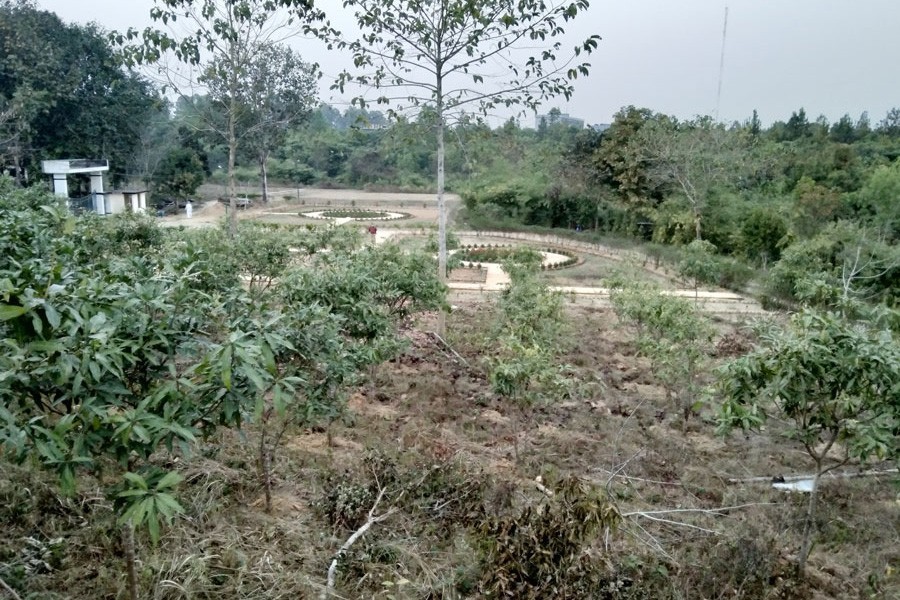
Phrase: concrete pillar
(60, 185)
(97, 182)
(142, 201)
(99, 206)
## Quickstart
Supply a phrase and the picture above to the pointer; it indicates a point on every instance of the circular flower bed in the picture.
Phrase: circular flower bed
(357, 214)
(476, 254)
(482, 254)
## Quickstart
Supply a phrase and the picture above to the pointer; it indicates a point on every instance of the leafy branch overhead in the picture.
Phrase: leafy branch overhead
(460, 52)
(231, 48)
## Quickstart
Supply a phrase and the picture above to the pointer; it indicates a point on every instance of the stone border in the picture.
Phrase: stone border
(389, 215)
(547, 264)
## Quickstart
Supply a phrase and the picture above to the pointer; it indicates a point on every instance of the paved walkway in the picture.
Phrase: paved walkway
(719, 302)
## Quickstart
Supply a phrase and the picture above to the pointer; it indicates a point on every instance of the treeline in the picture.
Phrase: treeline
(804, 200)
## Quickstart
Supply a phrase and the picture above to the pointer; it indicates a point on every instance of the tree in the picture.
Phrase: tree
(797, 127)
(223, 38)
(761, 236)
(843, 256)
(64, 93)
(698, 263)
(694, 157)
(279, 93)
(890, 125)
(836, 382)
(843, 131)
(439, 53)
(879, 199)
(625, 168)
(179, 174)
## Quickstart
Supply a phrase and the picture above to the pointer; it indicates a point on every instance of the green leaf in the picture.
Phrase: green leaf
(137, 480)
(169, 480)
(9, 311)
(225, 366)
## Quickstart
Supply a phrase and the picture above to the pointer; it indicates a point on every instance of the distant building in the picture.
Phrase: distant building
(98, 201)
(556, 117)
(600, 127)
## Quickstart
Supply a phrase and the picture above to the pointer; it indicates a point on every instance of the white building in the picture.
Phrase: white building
(100, 201)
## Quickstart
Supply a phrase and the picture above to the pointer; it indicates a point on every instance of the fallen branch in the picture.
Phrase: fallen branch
(845, 475)
(450, 348)
(371, 520)
(653, 515)
(719, 512)
(9, 590)
(618, 475)
(538, 482)
(677, 523)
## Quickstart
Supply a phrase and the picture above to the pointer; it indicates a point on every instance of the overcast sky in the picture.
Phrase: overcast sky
(830, 57)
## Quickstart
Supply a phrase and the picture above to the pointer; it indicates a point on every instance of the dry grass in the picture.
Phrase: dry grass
(444, 437)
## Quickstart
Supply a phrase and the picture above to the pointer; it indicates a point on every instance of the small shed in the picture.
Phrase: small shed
(99, 201)
(130, 200)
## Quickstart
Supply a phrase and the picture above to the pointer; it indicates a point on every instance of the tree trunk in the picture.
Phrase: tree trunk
(808, 525)
(232, 192)
(441, 205)
(18, 165)
(264, 172)
(264, 464)
(232, 148)
(130, 562)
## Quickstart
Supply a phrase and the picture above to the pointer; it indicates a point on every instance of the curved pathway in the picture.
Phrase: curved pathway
(496, 279)
(719, 302)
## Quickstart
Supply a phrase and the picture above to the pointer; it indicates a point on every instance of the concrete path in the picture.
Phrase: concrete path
(719, 302)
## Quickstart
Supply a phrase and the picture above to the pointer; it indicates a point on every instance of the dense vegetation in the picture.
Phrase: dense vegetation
(248, 413)
(222, 415)
(798, 199)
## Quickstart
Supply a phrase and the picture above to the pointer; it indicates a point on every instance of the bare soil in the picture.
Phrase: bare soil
(431, 417)
(433, 412)
(468, 275)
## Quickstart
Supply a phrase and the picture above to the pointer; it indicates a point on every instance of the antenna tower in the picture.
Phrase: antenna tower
(722, 64)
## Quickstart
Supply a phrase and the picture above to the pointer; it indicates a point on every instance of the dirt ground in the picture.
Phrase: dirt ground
(428, 428)
(286, 203)
(429, 417)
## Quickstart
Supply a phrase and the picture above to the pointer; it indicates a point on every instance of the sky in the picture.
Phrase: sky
(829, 57)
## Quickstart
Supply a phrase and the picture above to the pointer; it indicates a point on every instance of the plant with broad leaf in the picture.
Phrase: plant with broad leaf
(834, 381)
(672, 333)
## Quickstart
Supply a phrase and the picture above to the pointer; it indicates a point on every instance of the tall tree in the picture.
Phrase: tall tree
(64, 92)
(446, 55)
(695, 157)
(222, 37)
(281, 92)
